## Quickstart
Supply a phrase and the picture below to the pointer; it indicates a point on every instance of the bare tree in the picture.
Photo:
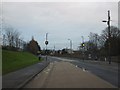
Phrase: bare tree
(9, 34)
(12, 36)
(4, 40)
(94, 38)
(114, 40)
(16, 38)
(114, 32)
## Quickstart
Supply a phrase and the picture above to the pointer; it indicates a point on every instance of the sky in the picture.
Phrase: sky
(61, 20)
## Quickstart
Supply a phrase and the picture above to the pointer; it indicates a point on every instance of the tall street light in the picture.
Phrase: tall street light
(70, 44)
(109, 35)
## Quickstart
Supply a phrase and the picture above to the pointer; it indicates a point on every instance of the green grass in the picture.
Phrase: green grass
(12, 60)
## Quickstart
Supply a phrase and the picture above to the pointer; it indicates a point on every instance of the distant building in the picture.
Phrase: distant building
(67, 51)
(33, 46)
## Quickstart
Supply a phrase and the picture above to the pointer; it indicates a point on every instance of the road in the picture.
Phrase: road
(67, 73)
(108, 72)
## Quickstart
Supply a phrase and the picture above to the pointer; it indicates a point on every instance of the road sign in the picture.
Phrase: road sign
(46, 42)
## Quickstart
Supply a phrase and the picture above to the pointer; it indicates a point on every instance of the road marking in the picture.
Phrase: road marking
(85, 70)
(68, 60)
(47, 71)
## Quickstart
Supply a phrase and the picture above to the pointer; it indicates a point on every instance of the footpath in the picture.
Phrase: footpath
(19, 78)
(66, 75)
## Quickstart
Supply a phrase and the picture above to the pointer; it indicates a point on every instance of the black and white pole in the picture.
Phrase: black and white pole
(46, 42)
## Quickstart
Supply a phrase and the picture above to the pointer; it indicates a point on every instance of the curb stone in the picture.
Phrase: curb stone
(30, 78)
(11, 81)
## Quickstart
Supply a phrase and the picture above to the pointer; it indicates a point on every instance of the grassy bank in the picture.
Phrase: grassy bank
(12, 60)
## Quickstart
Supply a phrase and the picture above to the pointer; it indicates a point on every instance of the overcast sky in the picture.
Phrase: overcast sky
(61, 20)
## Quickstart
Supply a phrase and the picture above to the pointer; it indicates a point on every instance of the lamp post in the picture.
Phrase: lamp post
(109, 35)
(70, 45)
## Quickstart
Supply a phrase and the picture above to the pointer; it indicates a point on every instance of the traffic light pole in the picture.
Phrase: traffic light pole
(83, 48)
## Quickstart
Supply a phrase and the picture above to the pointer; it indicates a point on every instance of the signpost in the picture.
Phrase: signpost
(46, 42)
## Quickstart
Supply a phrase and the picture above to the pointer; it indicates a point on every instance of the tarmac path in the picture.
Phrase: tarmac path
(61, 74)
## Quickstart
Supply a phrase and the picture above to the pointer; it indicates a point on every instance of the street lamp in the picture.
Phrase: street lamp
(109, 35)
(70, 44)
(104, 21)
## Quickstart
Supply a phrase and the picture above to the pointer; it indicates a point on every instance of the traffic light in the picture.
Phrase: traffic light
(83, 45)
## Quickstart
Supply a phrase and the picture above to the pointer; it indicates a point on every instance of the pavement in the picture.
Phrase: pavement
(62, 74)
(19, 78)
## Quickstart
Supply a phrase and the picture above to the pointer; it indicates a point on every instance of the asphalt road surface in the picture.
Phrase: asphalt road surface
(108, 72)
(66, 73)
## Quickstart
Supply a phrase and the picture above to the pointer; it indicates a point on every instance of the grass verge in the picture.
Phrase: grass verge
(13, 60)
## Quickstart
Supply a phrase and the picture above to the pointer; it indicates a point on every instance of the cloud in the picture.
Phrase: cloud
(62, 20)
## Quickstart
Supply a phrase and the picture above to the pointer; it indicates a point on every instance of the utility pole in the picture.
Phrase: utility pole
(109, 36)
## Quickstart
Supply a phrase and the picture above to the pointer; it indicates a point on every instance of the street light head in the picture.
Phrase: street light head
(104, 21)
